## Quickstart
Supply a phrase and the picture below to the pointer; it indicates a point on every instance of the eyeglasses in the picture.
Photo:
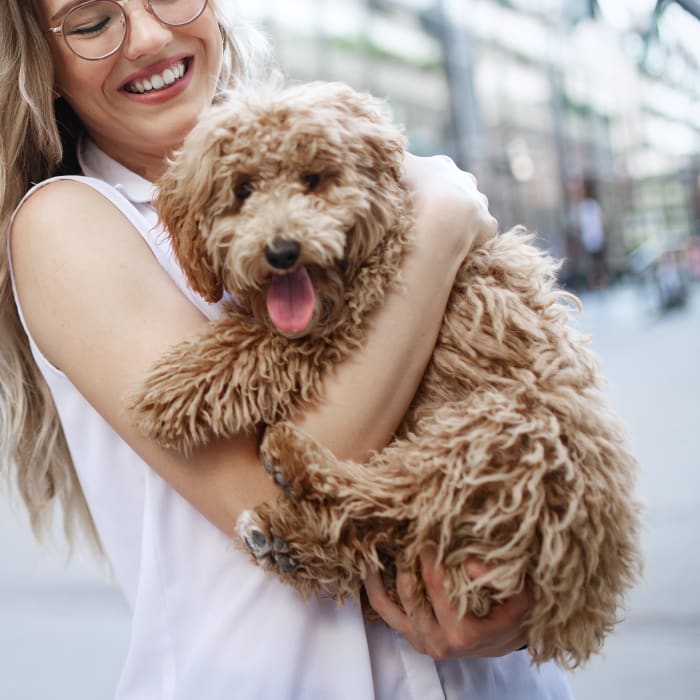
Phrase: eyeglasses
(97, 28)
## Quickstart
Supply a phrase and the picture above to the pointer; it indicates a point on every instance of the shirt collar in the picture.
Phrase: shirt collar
(96, 163)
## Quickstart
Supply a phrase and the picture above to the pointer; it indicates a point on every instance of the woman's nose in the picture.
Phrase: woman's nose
(145, 34)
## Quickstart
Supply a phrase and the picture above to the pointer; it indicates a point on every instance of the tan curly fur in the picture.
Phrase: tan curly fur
(509, 452)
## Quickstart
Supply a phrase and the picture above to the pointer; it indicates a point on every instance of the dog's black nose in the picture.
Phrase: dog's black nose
(282, 254)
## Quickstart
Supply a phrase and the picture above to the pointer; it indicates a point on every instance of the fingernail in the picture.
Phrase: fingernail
(474, 568)
(429, 556)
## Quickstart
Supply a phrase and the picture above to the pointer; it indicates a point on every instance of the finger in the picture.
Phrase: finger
(426, 635)
(512, 611)
(506, 637)
(476, 568)
(442, 158)
(473, 182)
(499, 647)
(501, 632)
(504, 627)
(384, 606)
(434, 579)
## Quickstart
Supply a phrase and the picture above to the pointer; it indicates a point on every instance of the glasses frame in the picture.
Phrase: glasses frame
(125, 18)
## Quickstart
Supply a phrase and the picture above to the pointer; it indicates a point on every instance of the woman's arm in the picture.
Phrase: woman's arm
(103, 310)
(369, 395)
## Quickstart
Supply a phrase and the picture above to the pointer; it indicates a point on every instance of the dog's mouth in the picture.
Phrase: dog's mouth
(291, 301)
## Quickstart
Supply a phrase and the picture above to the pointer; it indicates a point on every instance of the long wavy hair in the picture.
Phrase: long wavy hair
(38, 141)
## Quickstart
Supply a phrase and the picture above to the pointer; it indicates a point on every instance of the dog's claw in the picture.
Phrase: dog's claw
(285, 562)
(267, 465)
(280, 553)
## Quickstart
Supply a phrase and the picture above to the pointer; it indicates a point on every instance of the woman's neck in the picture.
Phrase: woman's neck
(148, 165)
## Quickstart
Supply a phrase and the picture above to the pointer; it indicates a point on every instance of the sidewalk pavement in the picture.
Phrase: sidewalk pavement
(653, 367)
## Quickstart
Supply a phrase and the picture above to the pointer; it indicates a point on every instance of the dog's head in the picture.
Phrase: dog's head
(279, 196)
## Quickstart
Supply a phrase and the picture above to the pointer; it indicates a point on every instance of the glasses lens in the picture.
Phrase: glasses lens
(177, 12)
(96, 29)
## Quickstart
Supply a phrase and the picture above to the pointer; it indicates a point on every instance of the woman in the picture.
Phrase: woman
(99, 298)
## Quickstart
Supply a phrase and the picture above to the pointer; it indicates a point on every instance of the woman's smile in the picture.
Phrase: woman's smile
(160, 82)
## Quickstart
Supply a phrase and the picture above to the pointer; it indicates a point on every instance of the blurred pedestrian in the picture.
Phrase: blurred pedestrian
(591, 224)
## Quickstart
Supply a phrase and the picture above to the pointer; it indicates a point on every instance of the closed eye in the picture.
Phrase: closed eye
(91, 30)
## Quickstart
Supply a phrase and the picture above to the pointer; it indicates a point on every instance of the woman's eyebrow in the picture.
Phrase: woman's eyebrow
(65, 9)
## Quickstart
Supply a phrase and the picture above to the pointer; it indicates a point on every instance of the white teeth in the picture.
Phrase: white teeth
(159, 80)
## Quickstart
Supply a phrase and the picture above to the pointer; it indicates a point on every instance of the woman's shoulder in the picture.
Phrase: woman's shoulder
(70, 215)
(69, 196)
(86, 224)
(71, 220)
(77, 260)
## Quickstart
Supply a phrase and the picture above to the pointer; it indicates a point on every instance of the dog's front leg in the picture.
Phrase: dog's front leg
(229, 379)
(330, 527)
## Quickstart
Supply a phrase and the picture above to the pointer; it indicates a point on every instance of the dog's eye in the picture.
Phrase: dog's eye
(243, 190)
(312, 181)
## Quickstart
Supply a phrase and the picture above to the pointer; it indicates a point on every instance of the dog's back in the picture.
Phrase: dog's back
(533, 473)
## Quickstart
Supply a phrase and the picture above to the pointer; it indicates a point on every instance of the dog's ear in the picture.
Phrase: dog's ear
(181, 199)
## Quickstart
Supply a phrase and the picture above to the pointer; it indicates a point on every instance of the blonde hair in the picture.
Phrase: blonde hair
(34, 455)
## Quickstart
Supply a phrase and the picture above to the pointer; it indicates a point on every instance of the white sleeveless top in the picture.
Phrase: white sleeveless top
(207, 623)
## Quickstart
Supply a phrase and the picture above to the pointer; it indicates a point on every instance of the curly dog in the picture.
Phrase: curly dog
(292, 202)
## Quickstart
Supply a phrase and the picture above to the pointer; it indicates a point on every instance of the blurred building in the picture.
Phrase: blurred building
(534, 96)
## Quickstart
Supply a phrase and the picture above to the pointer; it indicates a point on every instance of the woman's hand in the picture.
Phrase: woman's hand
(439, 632)
(449, 204)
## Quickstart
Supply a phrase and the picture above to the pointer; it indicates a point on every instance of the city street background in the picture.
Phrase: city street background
(64, 630)
(571, 113)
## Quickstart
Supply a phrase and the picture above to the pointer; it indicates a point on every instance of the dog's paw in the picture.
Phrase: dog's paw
(156, 420)
(302, 546)
(270, 551)
(298, 464)
(170, 413)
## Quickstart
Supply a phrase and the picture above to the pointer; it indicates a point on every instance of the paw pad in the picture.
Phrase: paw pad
(285, 562)
(280, 553)
(253, 537)
(267, 552)
(280, 545)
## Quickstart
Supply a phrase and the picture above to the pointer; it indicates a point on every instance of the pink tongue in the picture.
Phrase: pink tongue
(291, 301)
